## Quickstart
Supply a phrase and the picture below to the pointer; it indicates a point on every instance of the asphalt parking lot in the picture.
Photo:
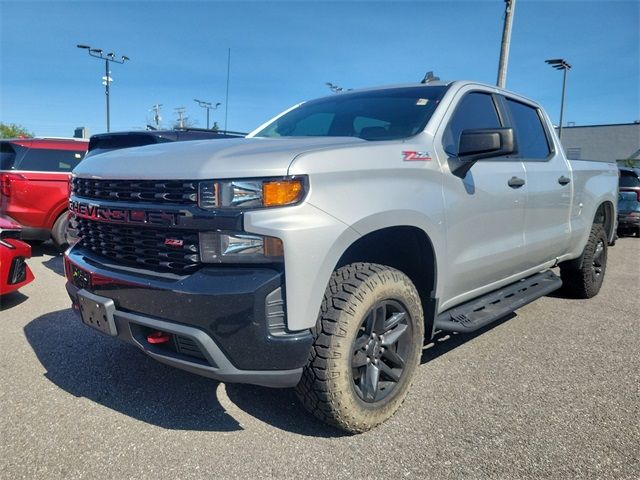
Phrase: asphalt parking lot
(552, 392)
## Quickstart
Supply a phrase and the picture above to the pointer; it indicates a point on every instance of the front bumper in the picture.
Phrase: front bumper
(14, 272)
(226, 323)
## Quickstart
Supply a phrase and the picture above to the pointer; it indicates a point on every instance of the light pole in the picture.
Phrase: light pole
(334, 88)
(560, 64)
(109, 57)
(208, 106)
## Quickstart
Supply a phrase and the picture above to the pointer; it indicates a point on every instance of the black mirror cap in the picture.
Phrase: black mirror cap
(480, 143)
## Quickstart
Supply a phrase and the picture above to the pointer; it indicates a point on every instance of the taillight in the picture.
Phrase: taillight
(5, 182)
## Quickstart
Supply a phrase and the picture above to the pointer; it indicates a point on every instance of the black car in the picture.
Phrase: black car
(104, 142)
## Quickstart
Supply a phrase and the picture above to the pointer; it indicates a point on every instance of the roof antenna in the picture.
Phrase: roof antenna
(430, 77)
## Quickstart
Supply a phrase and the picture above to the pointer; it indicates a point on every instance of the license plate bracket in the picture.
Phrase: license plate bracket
(97, 312)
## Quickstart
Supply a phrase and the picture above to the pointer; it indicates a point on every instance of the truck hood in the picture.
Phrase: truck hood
(204, 159)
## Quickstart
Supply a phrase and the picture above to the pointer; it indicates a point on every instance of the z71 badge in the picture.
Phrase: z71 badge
(412, 156)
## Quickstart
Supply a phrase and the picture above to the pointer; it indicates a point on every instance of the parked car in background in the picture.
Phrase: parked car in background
(34, 184)
(104, 142)
(629, 181)
(14, 272)
(628, 214)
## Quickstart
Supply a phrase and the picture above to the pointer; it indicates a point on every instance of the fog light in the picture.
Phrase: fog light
(239, 248)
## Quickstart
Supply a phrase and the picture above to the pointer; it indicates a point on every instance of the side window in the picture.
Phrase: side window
(475, 110)
(47, 160)
(532, 140)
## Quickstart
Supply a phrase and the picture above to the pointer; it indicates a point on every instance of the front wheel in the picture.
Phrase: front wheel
(584, 279)
(369, 338)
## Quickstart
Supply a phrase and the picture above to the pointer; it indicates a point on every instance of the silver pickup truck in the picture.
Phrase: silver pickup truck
(325, 248)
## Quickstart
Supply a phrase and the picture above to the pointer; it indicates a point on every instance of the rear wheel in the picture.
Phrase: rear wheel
(583, 279)
(59, 231)
(368, 343)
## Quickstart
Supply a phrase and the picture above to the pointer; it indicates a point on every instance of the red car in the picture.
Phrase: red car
(14, 272)
(34, 178)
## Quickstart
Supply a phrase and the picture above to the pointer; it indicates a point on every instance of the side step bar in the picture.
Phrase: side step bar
(481, 311)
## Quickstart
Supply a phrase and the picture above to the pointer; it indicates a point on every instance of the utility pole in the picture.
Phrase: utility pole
(510, 6)
(180, 112)
(109, 57)
(156, 115)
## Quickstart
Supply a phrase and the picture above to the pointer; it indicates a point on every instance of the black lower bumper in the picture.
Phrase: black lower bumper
(226, 323)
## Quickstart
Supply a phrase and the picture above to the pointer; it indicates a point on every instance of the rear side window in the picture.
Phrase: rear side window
(7, 156)
(628, 179)
(47, 160)
(475, 110)
(532, 140)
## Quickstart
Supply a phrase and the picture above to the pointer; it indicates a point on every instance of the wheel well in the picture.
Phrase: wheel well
(604, 217)
(407, 249)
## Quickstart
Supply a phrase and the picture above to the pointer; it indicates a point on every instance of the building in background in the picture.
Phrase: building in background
(619, 142)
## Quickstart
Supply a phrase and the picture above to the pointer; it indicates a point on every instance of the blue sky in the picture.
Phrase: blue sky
(284, 52)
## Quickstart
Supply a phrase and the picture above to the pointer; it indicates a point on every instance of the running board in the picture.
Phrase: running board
(482, 311)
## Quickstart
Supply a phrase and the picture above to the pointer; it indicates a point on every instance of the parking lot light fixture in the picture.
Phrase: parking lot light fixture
(560, 64)
(209, 106)
(109, 57)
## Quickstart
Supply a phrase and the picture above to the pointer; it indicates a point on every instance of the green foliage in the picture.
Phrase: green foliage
(12, 130)
(628, 162)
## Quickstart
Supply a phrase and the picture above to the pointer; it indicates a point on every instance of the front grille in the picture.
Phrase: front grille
(141, 246)
(157, 191)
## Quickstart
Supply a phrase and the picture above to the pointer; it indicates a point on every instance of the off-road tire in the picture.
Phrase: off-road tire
(578, 276)
(59, 232)
(327, 387)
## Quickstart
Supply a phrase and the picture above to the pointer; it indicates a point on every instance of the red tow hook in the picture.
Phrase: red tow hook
(158, 337)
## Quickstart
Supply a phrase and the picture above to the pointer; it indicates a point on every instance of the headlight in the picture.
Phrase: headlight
(216, 247)
(251, 193)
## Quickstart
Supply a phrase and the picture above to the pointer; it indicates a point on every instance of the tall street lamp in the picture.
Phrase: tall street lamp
(109, 57)
(208, 106)
(560, 64)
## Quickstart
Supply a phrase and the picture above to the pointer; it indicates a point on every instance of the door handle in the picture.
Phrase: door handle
(563, 180)
(515, 182)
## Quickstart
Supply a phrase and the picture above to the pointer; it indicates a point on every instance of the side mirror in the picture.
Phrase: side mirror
(480, 143)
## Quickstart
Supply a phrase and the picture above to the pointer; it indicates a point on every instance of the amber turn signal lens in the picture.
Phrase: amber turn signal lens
(283, 192)
(273, 247)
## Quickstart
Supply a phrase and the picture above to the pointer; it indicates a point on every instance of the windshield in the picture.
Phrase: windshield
(374, 115)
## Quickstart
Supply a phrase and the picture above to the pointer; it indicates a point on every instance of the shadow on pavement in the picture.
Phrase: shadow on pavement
(444, 342)
(118, 376)
(47, 249)
(11, 300)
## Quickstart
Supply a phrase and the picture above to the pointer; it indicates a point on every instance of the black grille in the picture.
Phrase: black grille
(141, 246)
(163, 191)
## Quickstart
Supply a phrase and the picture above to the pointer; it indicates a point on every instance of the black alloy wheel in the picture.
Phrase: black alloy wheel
(380, 350)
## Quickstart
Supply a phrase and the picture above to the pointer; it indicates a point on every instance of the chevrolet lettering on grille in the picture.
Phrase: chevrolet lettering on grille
(123, 215)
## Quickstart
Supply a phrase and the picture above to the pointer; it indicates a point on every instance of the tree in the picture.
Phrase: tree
(13, 130)
(628, 162)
